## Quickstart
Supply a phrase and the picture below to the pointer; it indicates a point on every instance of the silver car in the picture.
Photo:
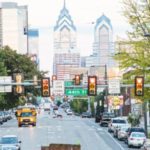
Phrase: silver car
(10, 140)
(122, 133)
(8, 147)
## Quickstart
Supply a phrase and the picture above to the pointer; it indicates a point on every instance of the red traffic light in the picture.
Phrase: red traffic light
(92, 85)
(139, 86)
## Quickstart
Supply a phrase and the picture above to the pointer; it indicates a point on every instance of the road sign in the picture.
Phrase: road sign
(58, 87)
(69, 83)
(5, 80)
(114, 86)
(76, 92)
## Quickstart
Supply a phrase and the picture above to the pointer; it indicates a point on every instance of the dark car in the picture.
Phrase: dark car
(101, 116)
(104, 122)
(86, 115)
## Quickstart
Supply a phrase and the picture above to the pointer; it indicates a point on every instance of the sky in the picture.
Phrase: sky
(43, 14)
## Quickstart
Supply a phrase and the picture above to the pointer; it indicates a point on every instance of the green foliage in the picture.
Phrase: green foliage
(133, 54)
(10, 63)
(134, 120)
(81, 105)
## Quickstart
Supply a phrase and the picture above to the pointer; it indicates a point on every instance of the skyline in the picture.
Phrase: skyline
(84, 14)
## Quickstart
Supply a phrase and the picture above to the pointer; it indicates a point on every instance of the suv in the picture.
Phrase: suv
(116, 122)
(101, 116)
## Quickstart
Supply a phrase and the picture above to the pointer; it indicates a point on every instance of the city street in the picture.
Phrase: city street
(69, 129)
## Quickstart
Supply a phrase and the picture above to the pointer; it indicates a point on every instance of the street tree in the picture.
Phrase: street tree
(133, 54)
(11, 63)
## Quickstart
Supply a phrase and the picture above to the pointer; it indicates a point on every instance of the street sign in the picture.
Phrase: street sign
(69, 83)
(5, 80)
(114, 86)
(58, 87)
(76, 92)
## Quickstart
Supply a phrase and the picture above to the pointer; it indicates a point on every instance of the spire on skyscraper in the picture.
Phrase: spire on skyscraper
(64, 19)
(64, 3)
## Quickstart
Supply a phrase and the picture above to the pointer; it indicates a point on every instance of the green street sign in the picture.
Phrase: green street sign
(69, 83)
(76, 92)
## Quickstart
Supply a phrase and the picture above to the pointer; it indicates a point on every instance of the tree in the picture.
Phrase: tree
(133, 53)
(12, 62)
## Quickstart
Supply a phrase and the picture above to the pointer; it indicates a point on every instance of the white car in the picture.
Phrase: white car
(8, 147)
(69, 112)
(136, 139)
(146, 145)
(10, 140)
(116, 123)
(122, 133)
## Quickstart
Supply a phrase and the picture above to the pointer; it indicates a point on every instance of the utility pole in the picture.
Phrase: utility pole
(106, 89)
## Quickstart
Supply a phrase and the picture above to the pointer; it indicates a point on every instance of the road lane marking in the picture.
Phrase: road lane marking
(99, 129)
(121, 148)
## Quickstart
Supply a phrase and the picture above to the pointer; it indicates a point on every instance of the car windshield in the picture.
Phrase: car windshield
(9, 140)
(138, 135)
(26, 114)
(119, 121)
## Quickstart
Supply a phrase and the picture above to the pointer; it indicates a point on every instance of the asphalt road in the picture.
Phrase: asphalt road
(69, 129)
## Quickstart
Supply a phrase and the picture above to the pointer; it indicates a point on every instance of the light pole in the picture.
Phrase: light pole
(145, 103)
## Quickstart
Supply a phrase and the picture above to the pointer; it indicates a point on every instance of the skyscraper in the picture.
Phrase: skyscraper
(66, 55)
(33, 35)
(103, 46)
(13, 25)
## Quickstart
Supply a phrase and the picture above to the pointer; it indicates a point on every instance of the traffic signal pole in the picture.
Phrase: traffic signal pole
(89, 104)
(145, 117)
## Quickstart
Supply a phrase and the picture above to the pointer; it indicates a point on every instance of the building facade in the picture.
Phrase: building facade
(33, 35)
(13, 32)
(66, 55)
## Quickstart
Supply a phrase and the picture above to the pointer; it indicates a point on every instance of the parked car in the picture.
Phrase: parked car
(146, 145)
(1, 118)
(69, 112)
(116, 122)
(136, 139)
(8, 147)
(122, 133)
(100, 116)
(86, 115)
(117, 128)
(105, 121)
(133, 129)
(11, 140)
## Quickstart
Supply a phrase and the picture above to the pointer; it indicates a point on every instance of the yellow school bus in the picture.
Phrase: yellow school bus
(27, 116)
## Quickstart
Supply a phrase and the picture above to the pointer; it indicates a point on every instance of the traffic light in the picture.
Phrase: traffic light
(45, 87)
(139, 86)
(54, 77)
(92, 85)
(18, 79)
(77, 79)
